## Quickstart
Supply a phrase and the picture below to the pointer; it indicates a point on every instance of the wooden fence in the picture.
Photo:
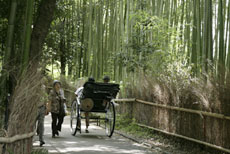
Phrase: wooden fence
(16, 138)
(210, 129)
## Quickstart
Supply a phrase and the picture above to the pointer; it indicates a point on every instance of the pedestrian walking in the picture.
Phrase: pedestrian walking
(41, 115)
(57, 107)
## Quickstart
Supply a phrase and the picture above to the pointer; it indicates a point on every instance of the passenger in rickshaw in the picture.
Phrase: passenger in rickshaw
(78, 93)
(106, 79)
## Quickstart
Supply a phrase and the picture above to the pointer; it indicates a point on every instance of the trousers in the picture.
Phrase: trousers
(40, 122)
(57, 120)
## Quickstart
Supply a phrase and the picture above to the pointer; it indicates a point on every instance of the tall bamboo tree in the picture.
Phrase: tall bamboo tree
(221, 60)
(5, 81)
(28, 29)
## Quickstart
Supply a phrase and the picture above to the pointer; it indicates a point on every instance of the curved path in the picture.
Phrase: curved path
(95, 142)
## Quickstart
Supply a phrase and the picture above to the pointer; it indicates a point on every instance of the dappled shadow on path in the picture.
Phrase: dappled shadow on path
(95, 142)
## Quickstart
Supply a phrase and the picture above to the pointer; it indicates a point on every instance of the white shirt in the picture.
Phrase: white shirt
(79, 91)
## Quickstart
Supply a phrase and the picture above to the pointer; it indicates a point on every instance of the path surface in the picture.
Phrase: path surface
(95, 142)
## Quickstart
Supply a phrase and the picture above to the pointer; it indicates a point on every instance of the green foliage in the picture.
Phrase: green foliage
(149, 43)
(3, 33)
(125, 124)
(1, 118)
(40, 151)
(153, 37)
(5, 8)
(154, 53)
(9, 151)
(51, 46)
(144, 25)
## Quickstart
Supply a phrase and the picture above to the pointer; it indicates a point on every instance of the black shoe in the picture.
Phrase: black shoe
(86, 131)
(57, 133)
(41, 143)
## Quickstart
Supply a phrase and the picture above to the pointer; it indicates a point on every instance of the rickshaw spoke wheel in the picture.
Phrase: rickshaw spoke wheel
(110, 119)
(74, 118)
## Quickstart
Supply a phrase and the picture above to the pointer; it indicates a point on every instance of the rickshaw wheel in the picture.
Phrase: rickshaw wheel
(75, 119)
(110, 119)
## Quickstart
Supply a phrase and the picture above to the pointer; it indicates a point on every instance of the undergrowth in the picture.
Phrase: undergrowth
(127, 125)
(164, 142)
(184, 92)
(40, 151)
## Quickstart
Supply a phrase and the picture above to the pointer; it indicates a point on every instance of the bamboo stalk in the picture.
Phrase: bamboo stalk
(221, 60)
(16, 138)
(188, 138)
(90, 35)
(10, 32)
(28, 28)
(215, 115)
(201, 113)
(8, 51)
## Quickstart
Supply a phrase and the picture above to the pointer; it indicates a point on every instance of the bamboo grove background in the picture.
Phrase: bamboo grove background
(96, 37)
(173, 52)
(118, 37)
(174, 41)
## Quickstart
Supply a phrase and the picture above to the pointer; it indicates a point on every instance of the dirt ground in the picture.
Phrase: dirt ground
(164, 144)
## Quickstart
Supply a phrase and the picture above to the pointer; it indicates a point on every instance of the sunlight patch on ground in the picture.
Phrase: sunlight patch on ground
(94, 142)
(99, 148)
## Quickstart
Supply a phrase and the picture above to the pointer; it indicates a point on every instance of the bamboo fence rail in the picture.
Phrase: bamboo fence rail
(188, 138)
(16, 138)
(201, 113)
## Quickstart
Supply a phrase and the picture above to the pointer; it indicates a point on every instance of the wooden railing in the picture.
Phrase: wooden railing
(16, 138)
(201, 113)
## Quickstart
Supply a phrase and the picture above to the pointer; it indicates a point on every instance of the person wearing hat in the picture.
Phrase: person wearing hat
(57, 102)
(106, 79)
(78, 93)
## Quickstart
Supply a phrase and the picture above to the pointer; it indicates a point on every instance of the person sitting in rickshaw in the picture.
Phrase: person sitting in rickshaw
(88, 104)
(106, 79)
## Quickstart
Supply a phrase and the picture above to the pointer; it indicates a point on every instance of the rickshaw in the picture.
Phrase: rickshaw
(95, 98)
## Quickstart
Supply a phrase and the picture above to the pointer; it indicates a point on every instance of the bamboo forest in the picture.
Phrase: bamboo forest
(168, 59)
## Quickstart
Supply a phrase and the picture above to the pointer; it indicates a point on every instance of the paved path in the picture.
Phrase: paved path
(95, 142)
